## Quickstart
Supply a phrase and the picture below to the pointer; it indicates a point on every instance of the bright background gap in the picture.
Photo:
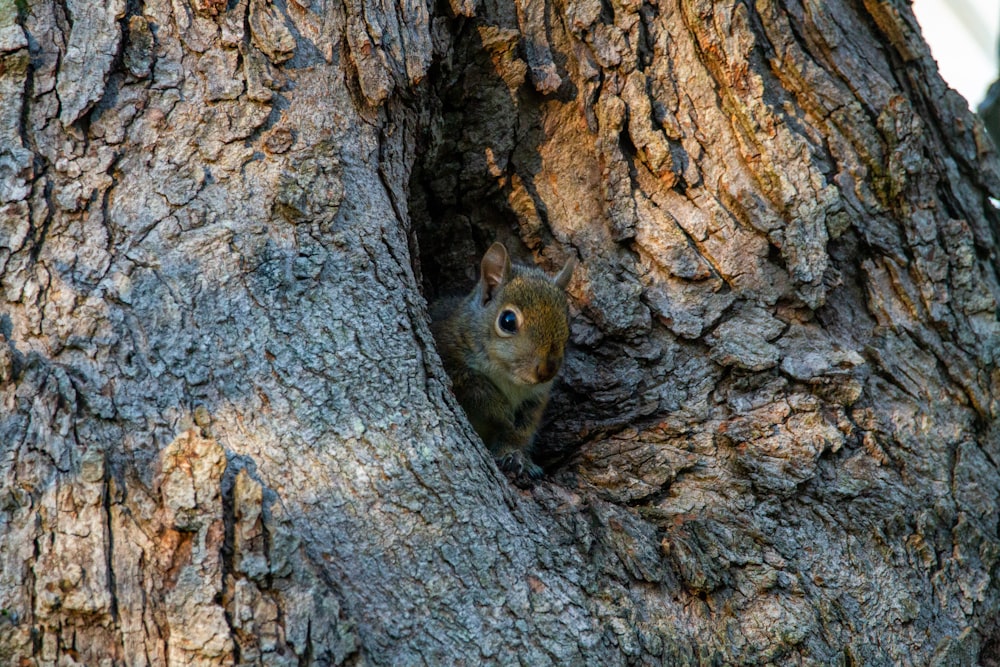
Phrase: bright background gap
(962, 35)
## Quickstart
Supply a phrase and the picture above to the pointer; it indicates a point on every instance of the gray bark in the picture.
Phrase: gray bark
(226, 437)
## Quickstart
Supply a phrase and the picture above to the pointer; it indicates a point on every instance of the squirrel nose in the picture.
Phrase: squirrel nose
(547, 369)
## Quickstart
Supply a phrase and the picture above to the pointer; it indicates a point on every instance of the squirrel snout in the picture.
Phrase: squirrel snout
(547, 369)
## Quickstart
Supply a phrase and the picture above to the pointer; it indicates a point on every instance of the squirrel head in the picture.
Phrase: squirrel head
(524, 314)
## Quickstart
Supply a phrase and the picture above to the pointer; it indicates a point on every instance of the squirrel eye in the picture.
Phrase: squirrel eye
(507, 322)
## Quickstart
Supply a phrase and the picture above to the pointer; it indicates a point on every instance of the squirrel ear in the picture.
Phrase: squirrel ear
(495, 270)
(562, 280)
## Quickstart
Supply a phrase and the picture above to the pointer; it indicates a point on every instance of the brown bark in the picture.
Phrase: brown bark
(226, 437)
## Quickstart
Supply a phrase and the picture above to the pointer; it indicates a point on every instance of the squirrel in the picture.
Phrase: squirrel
(502, 345)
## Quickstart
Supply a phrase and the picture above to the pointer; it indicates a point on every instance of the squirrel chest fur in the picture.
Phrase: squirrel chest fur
(503, 345)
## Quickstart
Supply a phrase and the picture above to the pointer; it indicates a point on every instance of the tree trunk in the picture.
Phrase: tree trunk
(226, 435)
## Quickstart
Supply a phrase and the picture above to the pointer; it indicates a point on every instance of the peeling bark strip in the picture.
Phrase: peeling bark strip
(225, 435)
(92, 44)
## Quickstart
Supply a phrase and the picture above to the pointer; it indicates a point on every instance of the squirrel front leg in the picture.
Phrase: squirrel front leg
(507, 432)
(514, 453)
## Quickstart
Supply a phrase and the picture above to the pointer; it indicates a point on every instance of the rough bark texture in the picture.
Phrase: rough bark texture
(226, 437)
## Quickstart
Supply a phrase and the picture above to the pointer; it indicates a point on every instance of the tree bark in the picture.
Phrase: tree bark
(226, 437)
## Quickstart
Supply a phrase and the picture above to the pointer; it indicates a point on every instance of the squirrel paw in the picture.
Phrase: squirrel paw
(519, 465)
(533, 470)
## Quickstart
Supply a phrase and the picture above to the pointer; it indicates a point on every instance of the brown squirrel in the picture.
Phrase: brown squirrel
(502, 345)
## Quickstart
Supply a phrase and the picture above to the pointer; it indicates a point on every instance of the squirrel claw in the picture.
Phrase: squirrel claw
(512, 463)
(520, 466)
